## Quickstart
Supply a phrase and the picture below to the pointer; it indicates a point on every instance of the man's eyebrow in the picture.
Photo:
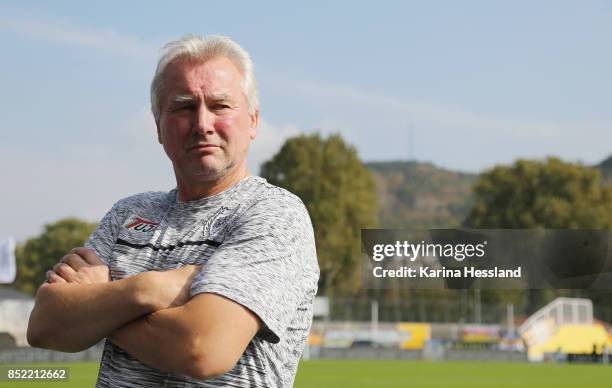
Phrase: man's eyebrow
(220, 96)
(181, 98)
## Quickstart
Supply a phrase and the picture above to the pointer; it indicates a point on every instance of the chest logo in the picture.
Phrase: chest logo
(216, 225)
(140, 224)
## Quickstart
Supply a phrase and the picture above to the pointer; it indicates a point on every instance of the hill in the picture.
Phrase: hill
(421, 195)
(605, 167)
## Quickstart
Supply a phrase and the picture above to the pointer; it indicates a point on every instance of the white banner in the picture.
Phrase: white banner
(8, 268)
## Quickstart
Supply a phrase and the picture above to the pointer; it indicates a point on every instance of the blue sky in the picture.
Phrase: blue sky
(479, 82)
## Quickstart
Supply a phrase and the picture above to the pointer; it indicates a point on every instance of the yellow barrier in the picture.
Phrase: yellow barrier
(415, 335)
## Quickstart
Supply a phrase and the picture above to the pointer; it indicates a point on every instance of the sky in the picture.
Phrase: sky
(464, 85)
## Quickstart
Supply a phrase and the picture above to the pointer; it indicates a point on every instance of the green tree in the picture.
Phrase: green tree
(536, 195)
(338, 191)
(40, 253)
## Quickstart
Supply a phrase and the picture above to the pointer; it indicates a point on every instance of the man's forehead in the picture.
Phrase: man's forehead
(216, 77)
(215, 67)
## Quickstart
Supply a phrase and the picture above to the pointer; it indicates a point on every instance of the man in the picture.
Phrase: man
(210, 284)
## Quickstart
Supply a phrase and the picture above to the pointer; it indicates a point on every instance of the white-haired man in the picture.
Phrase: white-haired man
(210, 284)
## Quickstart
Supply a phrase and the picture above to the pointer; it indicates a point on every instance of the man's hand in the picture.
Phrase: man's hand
(82, 266)
(164, 289)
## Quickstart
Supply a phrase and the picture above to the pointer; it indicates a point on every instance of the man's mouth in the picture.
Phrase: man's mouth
(204, 147)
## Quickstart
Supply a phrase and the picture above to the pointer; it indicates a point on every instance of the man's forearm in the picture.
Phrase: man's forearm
(160, 341)
(203, 338)
(71, 317)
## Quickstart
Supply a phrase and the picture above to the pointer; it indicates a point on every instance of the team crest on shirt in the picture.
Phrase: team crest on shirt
(140, 224)
(216, 225)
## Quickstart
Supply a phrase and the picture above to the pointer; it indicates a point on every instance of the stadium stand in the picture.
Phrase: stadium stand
(564, 328)
(15, 308)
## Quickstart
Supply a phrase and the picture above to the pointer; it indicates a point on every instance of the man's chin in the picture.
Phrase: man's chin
(211, 172)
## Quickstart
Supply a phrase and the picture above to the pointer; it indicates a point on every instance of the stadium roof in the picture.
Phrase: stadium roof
(9, 293)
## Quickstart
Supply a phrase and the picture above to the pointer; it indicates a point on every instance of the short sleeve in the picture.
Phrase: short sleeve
(103, 238)
(267, 263)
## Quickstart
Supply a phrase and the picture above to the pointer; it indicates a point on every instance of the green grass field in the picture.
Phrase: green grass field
(327, 373)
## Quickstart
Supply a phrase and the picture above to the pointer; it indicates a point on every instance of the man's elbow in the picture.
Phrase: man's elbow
(41, 337)
(36, 331)
(203, 366)
(42, 331)
(34, 338)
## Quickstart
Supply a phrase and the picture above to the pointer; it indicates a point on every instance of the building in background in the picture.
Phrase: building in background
(15, 309)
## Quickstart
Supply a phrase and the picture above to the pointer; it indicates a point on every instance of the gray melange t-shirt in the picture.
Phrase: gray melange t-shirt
(256, 246)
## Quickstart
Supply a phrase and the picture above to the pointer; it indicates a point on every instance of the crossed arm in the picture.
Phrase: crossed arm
(148, 315)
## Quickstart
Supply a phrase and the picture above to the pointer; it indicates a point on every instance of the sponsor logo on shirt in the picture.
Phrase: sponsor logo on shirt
(139, 224)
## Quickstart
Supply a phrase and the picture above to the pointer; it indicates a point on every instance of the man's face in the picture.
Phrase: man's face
(205, 126)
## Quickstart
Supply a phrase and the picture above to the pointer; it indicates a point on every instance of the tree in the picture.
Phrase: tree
(540, 194)
(338, 191)
(534, 194)
(41, 253)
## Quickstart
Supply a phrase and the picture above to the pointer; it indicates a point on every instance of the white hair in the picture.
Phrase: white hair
(199, 48)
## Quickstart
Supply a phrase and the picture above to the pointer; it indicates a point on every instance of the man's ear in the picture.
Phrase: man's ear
(254, 124)
(158, 132)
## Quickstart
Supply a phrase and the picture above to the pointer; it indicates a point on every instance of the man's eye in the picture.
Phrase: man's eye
(180, 108)
(219, 106)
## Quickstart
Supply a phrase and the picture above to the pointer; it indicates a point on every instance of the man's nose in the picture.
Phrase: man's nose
(204, 120)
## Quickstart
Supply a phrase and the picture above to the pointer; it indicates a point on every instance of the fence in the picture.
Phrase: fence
(28, 355)
(463, 307)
